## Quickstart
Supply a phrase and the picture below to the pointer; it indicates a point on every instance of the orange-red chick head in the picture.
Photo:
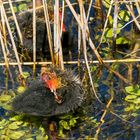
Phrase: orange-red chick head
(51, 81)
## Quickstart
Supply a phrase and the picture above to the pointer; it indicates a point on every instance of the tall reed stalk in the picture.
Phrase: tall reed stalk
(49, 33)
(12, 39)
(57, 39)
(34, 36)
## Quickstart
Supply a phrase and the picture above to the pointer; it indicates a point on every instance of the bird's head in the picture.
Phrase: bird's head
(51, 82)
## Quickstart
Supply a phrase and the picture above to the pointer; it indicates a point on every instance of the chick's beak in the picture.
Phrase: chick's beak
(57, 97)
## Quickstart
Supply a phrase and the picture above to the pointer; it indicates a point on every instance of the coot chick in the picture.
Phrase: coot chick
(25, 20)
(55, 92)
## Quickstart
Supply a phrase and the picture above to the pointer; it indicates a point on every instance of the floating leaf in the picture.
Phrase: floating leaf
(19, 122)
(30, 135)
(7, 107)
(61, 133)
(130, 97)
(129, 89)
(72, 122)
(1, 127)
(2, 132)
(25, 75)
(22, 7)
(134, 114)
(5, 98)
(3, 123)
(39, 137)
(110, 19)
(109, 32)
(4, 137)
(16, 134)
(17, 117)
(106, 3)
(130, 108)
(120, 25)
(29, 138)
(138, 92)
(124, 15)
(137, 107)
(13, 126)
(42, 130)
(21, 89)
(25, 124)
(137, 101)
(121, 40)
(15, 9)
(46, 137)
(91, 18)
(64, 124)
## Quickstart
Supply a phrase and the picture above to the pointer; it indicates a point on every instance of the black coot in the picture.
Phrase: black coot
(55, 92)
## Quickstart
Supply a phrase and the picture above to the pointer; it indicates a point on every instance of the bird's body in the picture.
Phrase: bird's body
(39, 100)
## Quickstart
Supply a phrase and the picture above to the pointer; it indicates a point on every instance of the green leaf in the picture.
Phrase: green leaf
(130, 108)
(129, 89)
(40, 137)
(29, 139)
(15, 118)
(4, 137)
(120, 25)
(137, 101)
(3, 131)
(109, 32)
(15, 9)
(124, 15)
(16, 134)
(22, 7)
(7, 107)
(42, 130)
(61, 133)
(13, 126)
(134, 114)
(110, 19)
(3, 123)
(121, 40)
(106, 3)
(72, 122)
(30, 135)
(21, 89)
(19, 122)
(46, 137)
(1, 127)
(25, 75)
(64, 124)
(138, 92)
(25, 124)
(130, 97)
(137, 107)
(5, 98)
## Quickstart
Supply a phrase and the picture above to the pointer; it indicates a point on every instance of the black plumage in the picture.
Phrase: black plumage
(25, 20)
(38, 100)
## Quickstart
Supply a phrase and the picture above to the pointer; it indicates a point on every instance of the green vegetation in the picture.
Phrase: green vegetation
(133, 98)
